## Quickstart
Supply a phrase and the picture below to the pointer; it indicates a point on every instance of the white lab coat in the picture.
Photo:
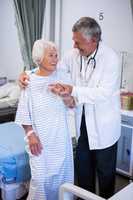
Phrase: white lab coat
(101, 96)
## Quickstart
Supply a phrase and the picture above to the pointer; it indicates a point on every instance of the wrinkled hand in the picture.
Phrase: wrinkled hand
(23, 80)
(56, 88)
(62, 90)
(34, 144)
(69, 101)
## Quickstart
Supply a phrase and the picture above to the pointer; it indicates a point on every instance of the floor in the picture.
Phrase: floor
(121, 182)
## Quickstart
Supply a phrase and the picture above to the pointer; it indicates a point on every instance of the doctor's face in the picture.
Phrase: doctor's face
(84, 45)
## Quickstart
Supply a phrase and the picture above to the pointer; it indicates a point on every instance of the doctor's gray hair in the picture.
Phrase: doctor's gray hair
(39, 48)
(88, 27)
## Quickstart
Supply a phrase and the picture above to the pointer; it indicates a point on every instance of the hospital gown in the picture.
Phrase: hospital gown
(47, 114)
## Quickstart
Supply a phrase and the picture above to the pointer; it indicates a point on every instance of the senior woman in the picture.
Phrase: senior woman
(43, 115)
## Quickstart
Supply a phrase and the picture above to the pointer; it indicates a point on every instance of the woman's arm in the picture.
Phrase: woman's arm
(33, 140)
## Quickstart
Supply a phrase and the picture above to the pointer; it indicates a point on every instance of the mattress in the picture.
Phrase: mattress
(14, 161)
(8, 111)
(9, 95)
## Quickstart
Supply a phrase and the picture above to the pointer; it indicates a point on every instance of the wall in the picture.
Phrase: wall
(115, 19)
(117, 27)
(117, 24)
(10, 58)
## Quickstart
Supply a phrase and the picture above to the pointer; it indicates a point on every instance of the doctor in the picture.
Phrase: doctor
(95, 71)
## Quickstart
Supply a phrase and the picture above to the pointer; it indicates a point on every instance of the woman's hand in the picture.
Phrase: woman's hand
(34, 144)
(23, 80)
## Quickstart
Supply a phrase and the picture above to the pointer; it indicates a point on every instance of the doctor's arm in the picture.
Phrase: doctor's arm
(24, 78)
(107, 85)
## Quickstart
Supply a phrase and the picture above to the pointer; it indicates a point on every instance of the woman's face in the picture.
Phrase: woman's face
(50, 59)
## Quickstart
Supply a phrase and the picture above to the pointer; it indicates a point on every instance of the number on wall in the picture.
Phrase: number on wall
(101, 16)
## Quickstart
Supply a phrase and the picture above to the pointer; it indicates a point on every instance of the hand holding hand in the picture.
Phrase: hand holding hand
(62, 90)
(56, 88)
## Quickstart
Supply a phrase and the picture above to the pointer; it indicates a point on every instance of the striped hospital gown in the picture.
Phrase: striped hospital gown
(48, 116)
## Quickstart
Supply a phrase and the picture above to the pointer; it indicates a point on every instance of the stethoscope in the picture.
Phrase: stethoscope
(89, 69)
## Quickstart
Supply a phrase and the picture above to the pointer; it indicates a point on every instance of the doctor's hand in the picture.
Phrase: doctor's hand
(69, 101)
(23, 80)
(34, 144)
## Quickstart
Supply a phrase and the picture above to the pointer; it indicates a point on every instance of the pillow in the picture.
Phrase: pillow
(3, 80)
(9, 90)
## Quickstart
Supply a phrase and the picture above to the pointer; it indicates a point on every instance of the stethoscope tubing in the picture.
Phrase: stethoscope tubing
(91, 59)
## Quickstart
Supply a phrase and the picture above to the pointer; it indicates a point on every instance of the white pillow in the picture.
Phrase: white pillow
(10, 90)
(3, 80)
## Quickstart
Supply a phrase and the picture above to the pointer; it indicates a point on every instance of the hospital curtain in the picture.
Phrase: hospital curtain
(29, 16)
(132, 6)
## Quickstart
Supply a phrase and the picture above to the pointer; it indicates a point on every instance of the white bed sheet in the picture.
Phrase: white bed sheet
(9, 95)
(8, 102)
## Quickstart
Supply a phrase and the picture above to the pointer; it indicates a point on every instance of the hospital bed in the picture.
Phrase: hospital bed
(7, 114)
(14, 162)
(67, 189)
(9, 95)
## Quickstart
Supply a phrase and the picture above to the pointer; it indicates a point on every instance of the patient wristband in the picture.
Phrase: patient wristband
(29, 133)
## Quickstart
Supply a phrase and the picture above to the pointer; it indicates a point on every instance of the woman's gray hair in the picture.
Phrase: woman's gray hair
(39, 48)
(88, 27)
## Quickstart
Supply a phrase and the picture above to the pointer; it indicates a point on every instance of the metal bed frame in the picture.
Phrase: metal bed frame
(7, 114)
